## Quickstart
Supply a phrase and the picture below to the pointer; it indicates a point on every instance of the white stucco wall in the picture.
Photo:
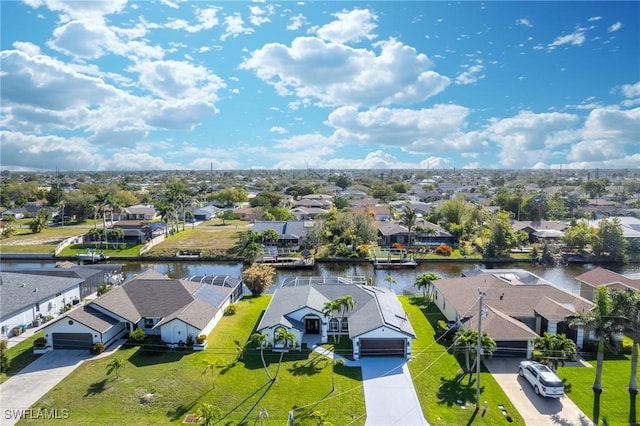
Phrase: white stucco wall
(63, 326)
(50, 305)
(446, 308)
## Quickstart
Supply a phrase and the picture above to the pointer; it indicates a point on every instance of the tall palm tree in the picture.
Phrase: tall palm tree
(164, 209)
(425, 283)
(466, 340)
(261, 340)
(555, 348)
(104, 201)
(602, 324)
(210, 365)
(408, 219)
(345, 304)
(288, 340)
(627, 307)
(328, 309)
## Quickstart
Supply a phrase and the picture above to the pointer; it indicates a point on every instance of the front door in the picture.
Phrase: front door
(312, 326)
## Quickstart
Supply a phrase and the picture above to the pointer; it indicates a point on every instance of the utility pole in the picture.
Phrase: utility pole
(479, 347)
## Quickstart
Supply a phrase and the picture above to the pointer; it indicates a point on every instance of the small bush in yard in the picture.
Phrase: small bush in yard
(444, 250)
(97, 348)
(201, 338)
(231, 309)
(137, 335)
(40, 342)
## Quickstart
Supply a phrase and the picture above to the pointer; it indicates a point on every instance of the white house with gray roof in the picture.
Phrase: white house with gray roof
(377, 325)
(30, 298)
(169, 308)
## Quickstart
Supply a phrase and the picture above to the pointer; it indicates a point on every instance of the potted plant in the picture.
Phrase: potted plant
(201, 343)
(40, 346)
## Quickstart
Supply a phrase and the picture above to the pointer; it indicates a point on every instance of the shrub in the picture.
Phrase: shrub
(40, 342)
(231, 309)
(201, 339)
(137, 335)
(97, 348)
(189, 341)
(5, 363)
(444, 250)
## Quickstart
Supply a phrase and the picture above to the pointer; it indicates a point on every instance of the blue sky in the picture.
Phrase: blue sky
(152, 85)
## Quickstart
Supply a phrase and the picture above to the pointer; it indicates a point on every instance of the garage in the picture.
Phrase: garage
(382, 347)
(72, 340)
(511, 348)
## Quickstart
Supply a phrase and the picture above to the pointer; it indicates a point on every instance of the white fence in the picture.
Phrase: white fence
(151, 243)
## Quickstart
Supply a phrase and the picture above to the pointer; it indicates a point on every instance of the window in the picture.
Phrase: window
(37, 307)
(148, 323)
(333, 324)
(345, 326)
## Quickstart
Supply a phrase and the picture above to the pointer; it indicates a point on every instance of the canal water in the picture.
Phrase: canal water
(401, 281)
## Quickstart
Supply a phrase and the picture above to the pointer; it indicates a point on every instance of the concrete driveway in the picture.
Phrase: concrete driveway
(534, 409)
(389, 394)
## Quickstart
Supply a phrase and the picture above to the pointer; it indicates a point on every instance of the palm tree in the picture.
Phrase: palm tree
(466, 339)
(211, 365)
(408, 219)
(288, 340)
(345, 304)
(164, 209)
(600, 322)
(425, 283)
(555, 348)
(390, 280)
(328, 309)
(627, 307)
(208, 414)
(115, 366)
(261, 340)
(104, 200)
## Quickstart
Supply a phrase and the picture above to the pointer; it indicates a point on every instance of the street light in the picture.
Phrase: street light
(482, 311)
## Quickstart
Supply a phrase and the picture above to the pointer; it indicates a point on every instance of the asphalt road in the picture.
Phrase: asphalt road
(534, 409)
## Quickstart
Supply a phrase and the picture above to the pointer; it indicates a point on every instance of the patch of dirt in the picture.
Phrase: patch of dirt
(191, 419)
(147, 398)
(33, 241)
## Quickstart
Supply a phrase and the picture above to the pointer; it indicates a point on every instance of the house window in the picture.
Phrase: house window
(37, 307)
(333, 324)
(148, 323)
(344, 326)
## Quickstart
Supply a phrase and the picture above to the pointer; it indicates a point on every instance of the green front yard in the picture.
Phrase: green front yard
(614, 400)
(166, 387)
(20, 356)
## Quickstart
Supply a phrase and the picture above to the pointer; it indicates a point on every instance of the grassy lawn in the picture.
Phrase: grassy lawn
(614, 400)
(213, 242)
(127, 250)
(437, 376)
(24, 241)
(20, 355)
(164, 388)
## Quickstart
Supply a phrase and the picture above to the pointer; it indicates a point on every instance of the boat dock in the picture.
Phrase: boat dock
(287, 262)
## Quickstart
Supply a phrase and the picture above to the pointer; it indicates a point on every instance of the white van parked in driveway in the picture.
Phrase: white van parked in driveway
(544, 381)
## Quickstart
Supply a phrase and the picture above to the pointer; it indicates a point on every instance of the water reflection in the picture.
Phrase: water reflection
(561, 276)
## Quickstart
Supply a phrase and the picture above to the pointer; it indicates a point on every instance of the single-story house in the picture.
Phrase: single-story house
(598, 277)
(206, 213)
(317, 200)
(92, 276)
(17, 213)
(291, 233)
(378, 211)
(520, 306)
(377, 325)
(135, 231)
(169, 308)
(30, 299)
(307, 213)
(136, 212)
(544, 229)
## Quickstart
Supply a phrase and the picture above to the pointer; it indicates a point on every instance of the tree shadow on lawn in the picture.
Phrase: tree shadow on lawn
(182, 409)
(243, 421)
(432, 313)
(96, 388)
(310, 367)
(453, 391)
(150, 354)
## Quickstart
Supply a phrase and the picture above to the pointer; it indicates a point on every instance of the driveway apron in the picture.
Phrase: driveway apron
(389, 394)
(534, 409)
(22, 391)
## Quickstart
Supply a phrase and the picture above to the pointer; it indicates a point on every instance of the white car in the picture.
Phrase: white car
(544, 381)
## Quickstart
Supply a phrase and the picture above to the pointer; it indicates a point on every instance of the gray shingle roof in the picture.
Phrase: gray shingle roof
(374, 307)
(91, 318)
(21, 290)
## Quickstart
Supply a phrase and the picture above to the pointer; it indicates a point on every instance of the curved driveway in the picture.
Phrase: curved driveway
(534, 409)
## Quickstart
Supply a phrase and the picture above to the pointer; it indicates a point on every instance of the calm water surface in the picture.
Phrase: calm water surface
(561, 276)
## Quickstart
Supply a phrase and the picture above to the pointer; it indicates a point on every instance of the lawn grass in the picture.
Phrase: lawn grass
(164, 388)
(437, 376)
(20, 356)
(213, 242)
(45, 242)
(614, 400)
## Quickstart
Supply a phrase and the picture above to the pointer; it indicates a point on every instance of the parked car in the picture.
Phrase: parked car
(544, 381)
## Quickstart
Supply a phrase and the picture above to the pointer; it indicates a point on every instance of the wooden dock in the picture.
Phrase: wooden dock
(287, 262)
